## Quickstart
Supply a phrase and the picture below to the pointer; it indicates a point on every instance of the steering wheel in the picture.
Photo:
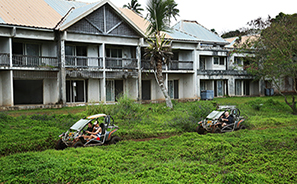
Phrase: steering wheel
(235, 112)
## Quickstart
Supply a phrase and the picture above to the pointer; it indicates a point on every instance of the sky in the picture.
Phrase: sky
(223, 15)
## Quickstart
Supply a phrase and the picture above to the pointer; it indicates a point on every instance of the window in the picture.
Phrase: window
(113, 52)
(80, 51)
(238, 61)
(30, 54)
(215, 60)
(222, 62)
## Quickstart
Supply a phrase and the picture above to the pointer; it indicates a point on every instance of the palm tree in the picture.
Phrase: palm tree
(159, 49)
(134, 6)
(171, 10)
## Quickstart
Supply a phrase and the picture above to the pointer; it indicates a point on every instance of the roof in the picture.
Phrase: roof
(34, 13)
(61, 14)
(199, 32)
(139, 21)
(237, 41)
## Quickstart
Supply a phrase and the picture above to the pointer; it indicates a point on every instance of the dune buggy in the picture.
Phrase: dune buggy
(73, 137)
(212, 122)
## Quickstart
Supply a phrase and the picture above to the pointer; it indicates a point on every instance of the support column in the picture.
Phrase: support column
(196, 85)
(104, 74)
(62, 73)
(139, 80)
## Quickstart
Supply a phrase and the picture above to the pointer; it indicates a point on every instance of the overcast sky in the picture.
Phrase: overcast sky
(224, 15)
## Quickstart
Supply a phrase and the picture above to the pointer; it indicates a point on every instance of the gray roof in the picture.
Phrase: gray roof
(197, 31)
(62, 6)
(78, 11)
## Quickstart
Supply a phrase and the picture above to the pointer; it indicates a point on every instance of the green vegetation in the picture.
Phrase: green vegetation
(265, 153)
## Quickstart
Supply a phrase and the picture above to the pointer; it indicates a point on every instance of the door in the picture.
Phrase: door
(76, 91)
(146, 90)
(118, 89)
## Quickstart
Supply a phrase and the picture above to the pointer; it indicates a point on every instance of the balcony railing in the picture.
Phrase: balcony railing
(4, 59)
(121, 63)
(33, 61)
(174, 65)
(180, 65)
(83, 62)
(223, 72)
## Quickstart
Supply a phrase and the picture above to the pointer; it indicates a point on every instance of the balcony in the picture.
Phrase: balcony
(180, 65)
(33, 61)
(121, 63)
(83, 62)
(174, 65)
(4, 59)
(223, 72)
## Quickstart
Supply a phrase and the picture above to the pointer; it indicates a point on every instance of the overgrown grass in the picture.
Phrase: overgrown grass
(248, 156)
(266, 153)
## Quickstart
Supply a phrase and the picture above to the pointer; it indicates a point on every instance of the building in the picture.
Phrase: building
(68, 52)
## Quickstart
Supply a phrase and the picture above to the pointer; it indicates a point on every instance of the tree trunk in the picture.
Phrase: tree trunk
(293, 105)
(159, 79)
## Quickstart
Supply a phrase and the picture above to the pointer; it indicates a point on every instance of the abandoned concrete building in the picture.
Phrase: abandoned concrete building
(67, 52)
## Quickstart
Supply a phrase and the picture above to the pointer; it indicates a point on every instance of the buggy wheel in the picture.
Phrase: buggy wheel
(60, 145)
(217, 130)
(114, 140)
(78, 144)
(242, 127)
(200, 129)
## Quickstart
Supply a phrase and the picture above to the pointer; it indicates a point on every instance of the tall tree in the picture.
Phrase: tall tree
(134, 6)
(171, 10)
(159, 49)
(274, 54)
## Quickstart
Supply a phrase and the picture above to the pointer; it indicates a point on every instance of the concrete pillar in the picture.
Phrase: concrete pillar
(62, 73)
(195, 57)
(7, 88)
(139, 79)
(104, 73)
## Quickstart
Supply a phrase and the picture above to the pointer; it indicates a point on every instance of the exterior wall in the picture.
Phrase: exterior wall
(6, 88)
(50, 91)
(94, 92)
(131, 88)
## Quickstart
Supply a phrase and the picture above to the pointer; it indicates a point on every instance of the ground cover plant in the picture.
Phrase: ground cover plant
(265, 153)
(248, 156)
